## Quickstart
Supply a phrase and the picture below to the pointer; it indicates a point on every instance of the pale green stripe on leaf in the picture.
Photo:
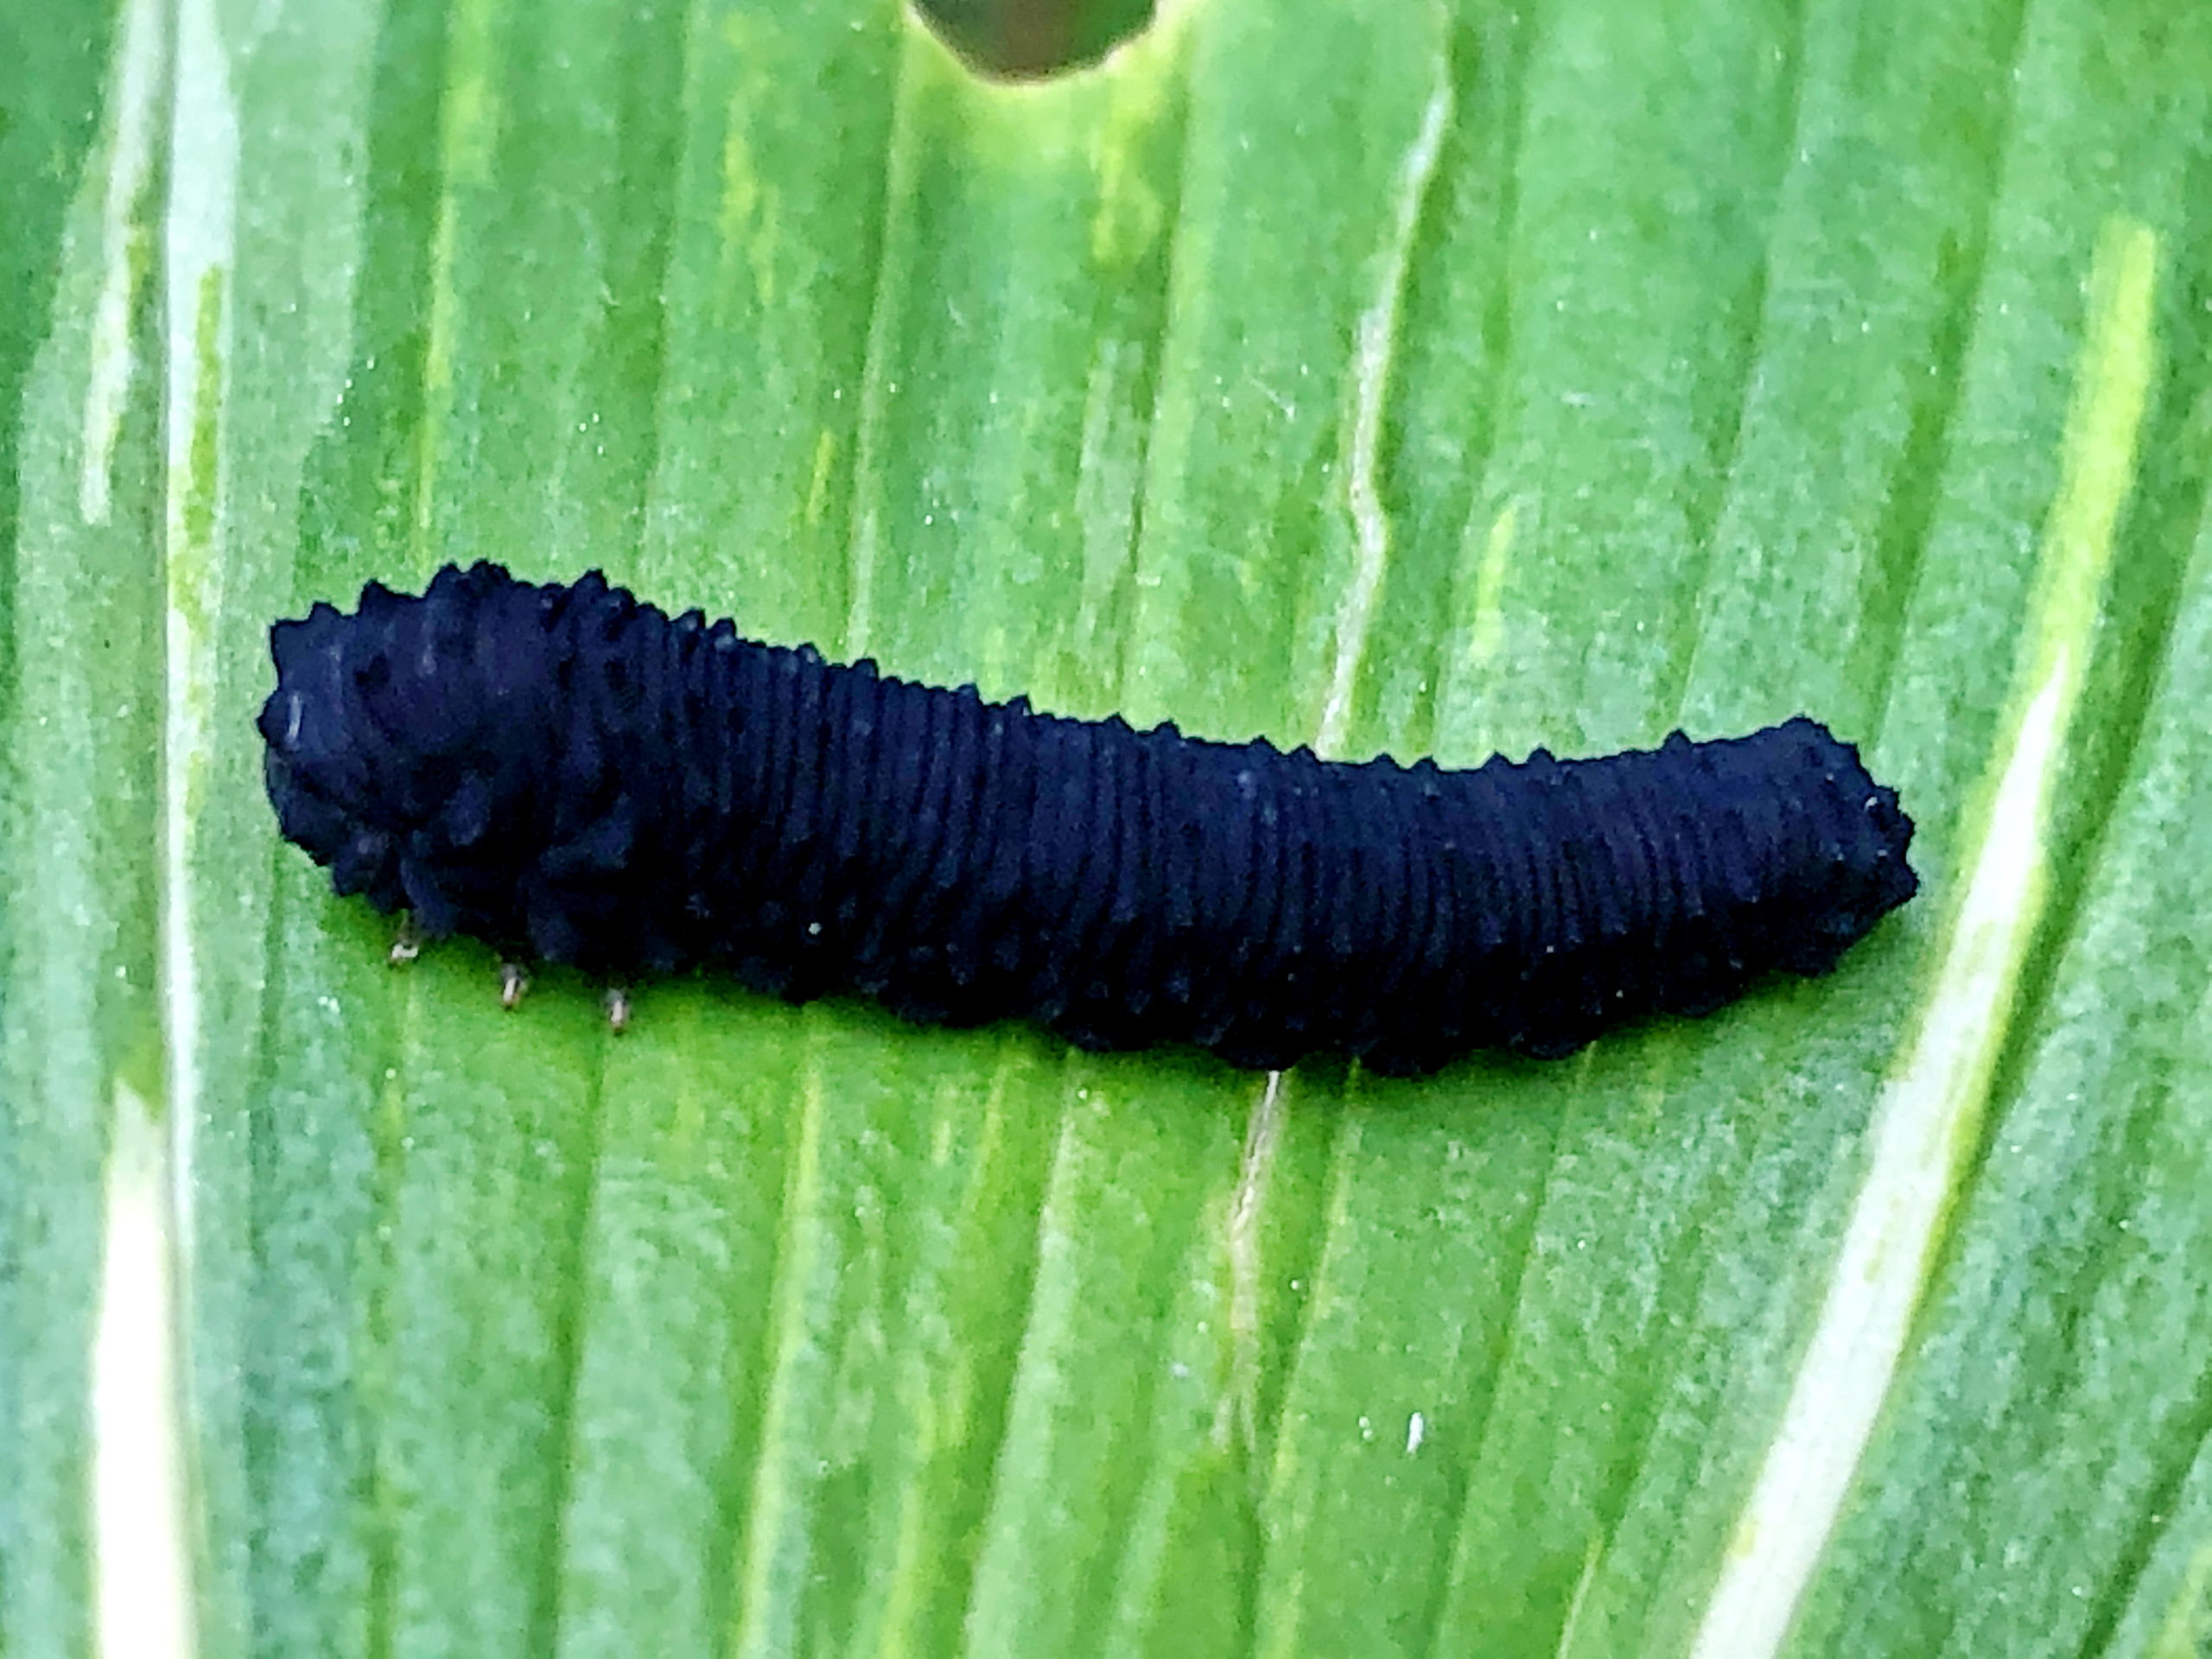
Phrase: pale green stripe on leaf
(142, 1578)
(1932, 1108)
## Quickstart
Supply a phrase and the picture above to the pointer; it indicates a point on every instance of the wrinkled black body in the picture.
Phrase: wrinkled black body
(566, 772)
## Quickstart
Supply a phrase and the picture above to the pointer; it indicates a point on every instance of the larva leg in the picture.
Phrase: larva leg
(514, 982)
(618, 1009)
(409, 943)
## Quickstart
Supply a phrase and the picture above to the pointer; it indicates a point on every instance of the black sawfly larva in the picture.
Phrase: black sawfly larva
(570, 774)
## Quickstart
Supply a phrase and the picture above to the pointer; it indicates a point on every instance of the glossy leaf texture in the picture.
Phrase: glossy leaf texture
(1437, 379)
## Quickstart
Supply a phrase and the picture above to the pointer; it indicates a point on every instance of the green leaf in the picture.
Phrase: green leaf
(1433, 379)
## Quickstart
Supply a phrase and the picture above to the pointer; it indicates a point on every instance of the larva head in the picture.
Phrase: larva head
(406, 741)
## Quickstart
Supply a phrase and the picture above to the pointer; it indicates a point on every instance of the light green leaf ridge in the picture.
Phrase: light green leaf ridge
(1930, 1111)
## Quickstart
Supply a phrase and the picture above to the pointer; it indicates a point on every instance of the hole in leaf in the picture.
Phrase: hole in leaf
(1032, 40)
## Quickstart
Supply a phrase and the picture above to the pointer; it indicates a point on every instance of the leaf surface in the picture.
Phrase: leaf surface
(1434, 379)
